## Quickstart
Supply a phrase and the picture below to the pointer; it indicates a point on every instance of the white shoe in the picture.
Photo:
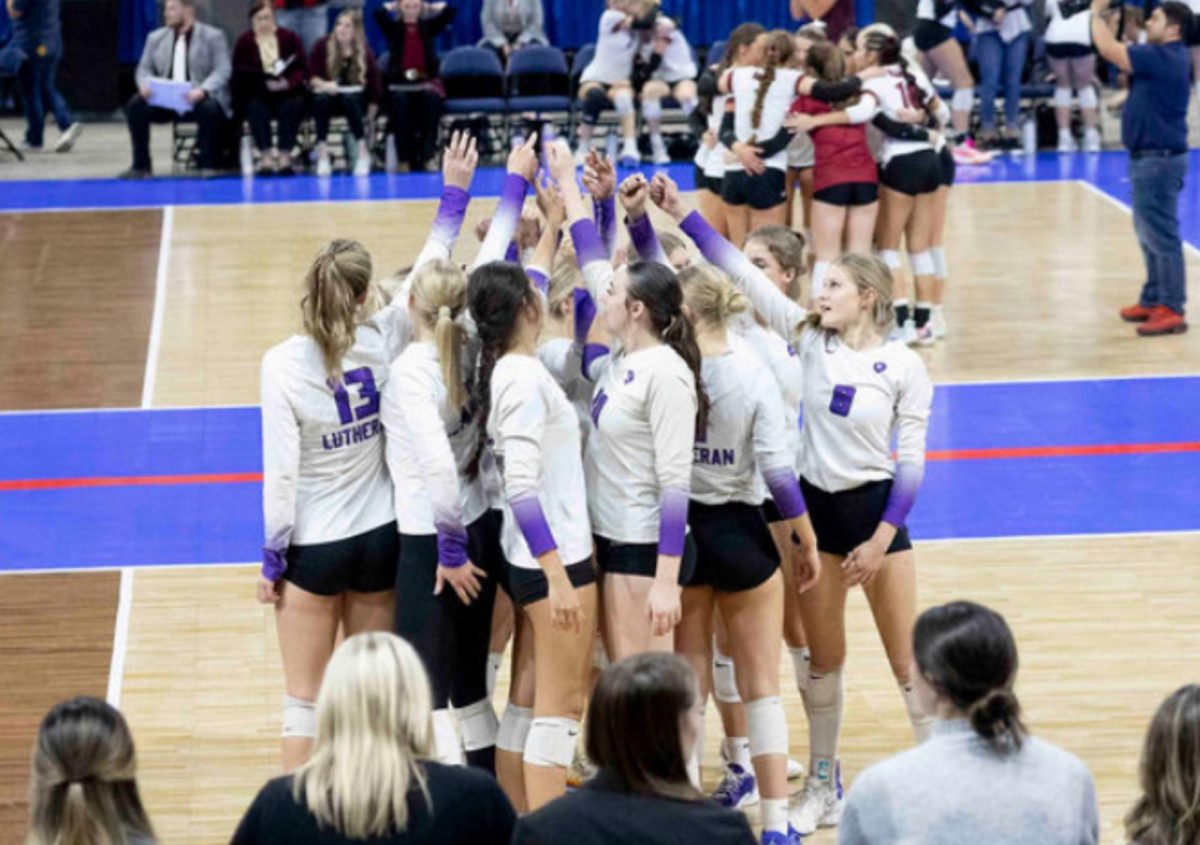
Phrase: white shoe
(67, 139)
(908, 332)
(1091, 141)
(925, 336)
(324, 167)
(362, 164)
(819, 804)
(630, 157)
(937, 321)
(658, 150)
(1066, 142)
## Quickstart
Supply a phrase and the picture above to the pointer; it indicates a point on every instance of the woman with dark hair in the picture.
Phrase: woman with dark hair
(979, 777)
(644, 712)
(83, 783)
(270, 74)
(345, 80)
(1168, 811)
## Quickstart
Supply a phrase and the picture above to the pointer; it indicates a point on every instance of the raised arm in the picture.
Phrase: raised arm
(1105, 42)
(635, 191)
(458, 169)
(522, 164)
(601, 182)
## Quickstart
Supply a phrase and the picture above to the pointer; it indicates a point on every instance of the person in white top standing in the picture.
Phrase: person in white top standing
(533, 431)
(859, 390)
(1072, 59)
(607, 82)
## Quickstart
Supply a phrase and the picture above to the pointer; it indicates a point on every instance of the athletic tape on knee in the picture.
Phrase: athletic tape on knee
(767, 725)
(478, 724)
(447, 744)
(623, 103)
(824, 701)
(922, 263)
(1062, 97)
(939, 261)
(963, 99)
(299, 717)
(820, 268)
(724, 679)
(651, 109)
(1088, 98)
(801, 663)
(921, 721)
(551, 741)
(891, 258)
(514, 729)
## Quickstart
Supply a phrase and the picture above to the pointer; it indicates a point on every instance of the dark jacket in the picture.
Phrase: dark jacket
(393, 31)
(250, 80)
(604, 812)
(318, 67)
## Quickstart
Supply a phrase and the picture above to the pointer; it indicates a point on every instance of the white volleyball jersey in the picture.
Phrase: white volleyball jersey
(644, 417)
(535, 438)
(743, 85)
(616, 48)
(563, 359)
(892, 92)
(1077, 29)
(677, 64)
(936, 10)
(713, 162)
(428, 447)
(783, 363)
(324, 475)
(746, 431)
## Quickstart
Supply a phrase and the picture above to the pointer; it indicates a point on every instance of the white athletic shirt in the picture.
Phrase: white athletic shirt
(678, 63)
(801, 152)
(891, 93)
(1076, 29)
(616, 48)
(535, 436)
(428, 447)
(783, 363)
(743, 84)
(713, 162)
(927, 11)
(563, 359)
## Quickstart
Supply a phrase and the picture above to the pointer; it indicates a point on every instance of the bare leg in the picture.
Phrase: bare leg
(626, 621)
(307, 625)
(510, 765)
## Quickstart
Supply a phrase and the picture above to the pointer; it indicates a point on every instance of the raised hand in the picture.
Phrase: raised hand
(550, 202)
(560, 163)
(598, 176)
(523, 160)
(635, 190)
(665, 194)
(460, 160)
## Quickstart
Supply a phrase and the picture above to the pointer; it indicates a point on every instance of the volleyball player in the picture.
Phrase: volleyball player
(668, 55)
(648, 404)
(1072, 60)
(534, 435)
(737, 563)
(801, 153)
(940, 53)
(607, 81)
(331, 547)
(859, 389)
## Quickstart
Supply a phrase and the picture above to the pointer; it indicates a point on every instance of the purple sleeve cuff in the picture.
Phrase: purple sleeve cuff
(587, 243)
(274, 564)
(513, 253)
(592, 352)
(785, 490)
(672, 522)
(527, 511)
(540, 280)
(645, 240)
(715, 249)
(451, 211)
(606, 221)
(585, 314)
(903, 494)
(452, 546)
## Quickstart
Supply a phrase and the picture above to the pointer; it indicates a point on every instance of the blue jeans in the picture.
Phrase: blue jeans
(1000, 63)
(1157, 182)
(310, 24)
(40, 95)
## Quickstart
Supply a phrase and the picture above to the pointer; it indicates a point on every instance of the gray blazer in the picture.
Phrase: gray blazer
(208, 60)
(532, 23)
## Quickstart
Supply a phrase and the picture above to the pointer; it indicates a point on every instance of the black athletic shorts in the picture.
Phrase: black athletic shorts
(770, 511)
(708, 183)
(526, 586)
(365, 563)
(844, 521)
(641, 558)
(763, 192)
(929, 34)
(849, 194)
(1078, 51)
(913, 173)
(949, 166)
(734, 548)
(484, 549)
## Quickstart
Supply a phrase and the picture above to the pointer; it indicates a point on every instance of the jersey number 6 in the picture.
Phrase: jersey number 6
(366, 390)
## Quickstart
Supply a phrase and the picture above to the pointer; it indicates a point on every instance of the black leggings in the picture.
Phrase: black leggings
(325, 106)
(288, 110)
(413, 117)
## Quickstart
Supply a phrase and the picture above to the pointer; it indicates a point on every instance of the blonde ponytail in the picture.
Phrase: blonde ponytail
(336, 285)
(710, 295)
(439, 294)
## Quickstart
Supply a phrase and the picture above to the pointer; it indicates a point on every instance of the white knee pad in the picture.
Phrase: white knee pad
(724, 679)
(623, 103)
(939, 262)
(1062, 97)
(514, 729)
(963, 99)
(478, 724)
(652, 109)
(299, 717)
(1088, 98)
(551, 741)
(688, 107)
(891, 258)
(921, 721)
(767, 724)
(820, 268)
(922, 263)
(447, 744)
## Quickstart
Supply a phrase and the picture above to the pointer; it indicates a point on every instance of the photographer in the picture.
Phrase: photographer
(1154, 129)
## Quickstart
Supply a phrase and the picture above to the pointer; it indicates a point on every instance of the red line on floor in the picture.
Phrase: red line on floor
(1003, 453)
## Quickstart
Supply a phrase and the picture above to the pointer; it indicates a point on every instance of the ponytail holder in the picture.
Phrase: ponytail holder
(444, 311)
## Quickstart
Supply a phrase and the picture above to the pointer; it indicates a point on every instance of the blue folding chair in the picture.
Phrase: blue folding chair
(538, 83)
(474, 82)
(716, 52)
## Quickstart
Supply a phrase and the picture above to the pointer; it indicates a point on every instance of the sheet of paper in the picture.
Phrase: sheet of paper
(168, 94)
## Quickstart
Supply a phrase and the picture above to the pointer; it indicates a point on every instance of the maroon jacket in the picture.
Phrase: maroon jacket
(250, 80)
(318, 65)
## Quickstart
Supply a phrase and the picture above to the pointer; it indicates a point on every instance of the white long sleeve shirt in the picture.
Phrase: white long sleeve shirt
(743, 84)
(891, 93)
(616, 48)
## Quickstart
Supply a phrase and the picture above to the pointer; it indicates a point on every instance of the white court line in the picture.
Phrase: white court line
(160, 297)
(116, 669)
(1100, 192)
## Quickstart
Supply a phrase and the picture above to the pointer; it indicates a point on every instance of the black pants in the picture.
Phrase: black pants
(206, 114)
(413, 120)
(351, 106)
(288, 111)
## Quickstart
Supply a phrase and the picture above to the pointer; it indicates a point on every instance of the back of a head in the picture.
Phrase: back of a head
(83, 786)
(336, 285)
(1168, 811)
(438, 292)
(710, 296)
(967, 653)
(634, 723)
(373, 726)
(742, 36)
(826, 61)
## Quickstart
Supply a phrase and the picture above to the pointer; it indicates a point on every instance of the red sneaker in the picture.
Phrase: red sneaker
(1162, 321)
(1135, 314)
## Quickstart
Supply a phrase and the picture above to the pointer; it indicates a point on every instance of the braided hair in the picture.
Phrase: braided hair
(887, 47)
(780, 45)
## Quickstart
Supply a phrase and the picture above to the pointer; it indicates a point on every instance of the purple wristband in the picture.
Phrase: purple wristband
(452, 545)
(450, 213)
(672, 521)
(274, 563)
(587, 243)
(645, 240)
(785, 490)
(527, 511)
(592, 352)
(715, 249)
(585, 314)
(903, 494)
(513, 253)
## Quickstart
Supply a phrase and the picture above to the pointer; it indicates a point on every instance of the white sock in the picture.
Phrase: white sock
(801, 663)
(736, 749)
(922, 722)
(773, 812)
(824, 701)
(495, 658)
(447, 743)
(693, 758)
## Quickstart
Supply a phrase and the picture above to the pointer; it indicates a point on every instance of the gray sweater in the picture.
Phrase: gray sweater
(954, 789)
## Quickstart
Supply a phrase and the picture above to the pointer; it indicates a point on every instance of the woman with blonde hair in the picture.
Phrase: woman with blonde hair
(859, 389)
(370, 776)
(83, 784)
(346, 80)
(1168, 811)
